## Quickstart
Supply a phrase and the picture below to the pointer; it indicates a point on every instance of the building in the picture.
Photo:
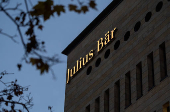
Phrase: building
(121, 61)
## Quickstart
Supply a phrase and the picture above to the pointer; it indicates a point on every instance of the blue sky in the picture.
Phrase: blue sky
(58, 32)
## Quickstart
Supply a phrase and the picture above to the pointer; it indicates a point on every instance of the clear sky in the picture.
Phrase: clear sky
(57, 33)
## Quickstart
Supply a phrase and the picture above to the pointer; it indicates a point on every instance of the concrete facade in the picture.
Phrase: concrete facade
(83, 89)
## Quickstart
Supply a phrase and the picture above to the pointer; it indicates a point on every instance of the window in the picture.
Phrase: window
(151, 83)
(137, 26)
(117, 96)
(127, 90)
(97, 105)
(127, 35)
(117, 44)
(107, 53)
(88, 108)
(139, 80)
(106, 101)
(166, 107)
(159, 6)
(89, 70)
(148, 16)
(163, 66)
(98, 62)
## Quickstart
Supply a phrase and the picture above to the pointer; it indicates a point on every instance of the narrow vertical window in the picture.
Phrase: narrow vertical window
(166, 107)
(127, 90)
(106, 101)
(117, 96)
(139, 80)
(88, 108)
(162, 56)
(97, 105)
(150, 63)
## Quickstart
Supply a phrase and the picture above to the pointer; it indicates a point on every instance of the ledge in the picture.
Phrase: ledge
(91, 26)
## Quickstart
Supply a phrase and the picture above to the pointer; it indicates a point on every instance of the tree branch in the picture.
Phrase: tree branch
(15, 24)
(27, 9)
(12, 37)
(15, 8)
(14, 102)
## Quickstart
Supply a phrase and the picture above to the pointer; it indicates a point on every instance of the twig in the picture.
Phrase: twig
(12, 37)
(15, 8)
(27, 9)
(7, 3)
(3, 83)
(14, 102)
(15, 24)
(54, 77)
(31, 3)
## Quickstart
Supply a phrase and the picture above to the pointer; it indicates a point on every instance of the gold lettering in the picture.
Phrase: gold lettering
(77, 65)
(91, 55)
(80, 62)
(100, 44)
(71, 73)
(68, 75)
(112, 33)
(107, 38)
(84, 63)
(87, 59)
(74, 72)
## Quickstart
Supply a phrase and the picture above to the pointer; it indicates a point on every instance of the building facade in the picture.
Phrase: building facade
(121, 61)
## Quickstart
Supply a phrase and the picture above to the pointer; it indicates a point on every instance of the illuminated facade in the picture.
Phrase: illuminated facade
(121, 61)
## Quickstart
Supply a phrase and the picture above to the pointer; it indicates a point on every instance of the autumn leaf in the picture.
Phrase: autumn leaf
(6, 103)
(20, 92)
(43, 42)
(17, 18)
(40, 27)
(40, 64)
(59, 9)
(12, 107)
(29, 47)
(29, 31)
(32, 45)
(84, 9)
(72, 7)
(38, 9)
(1, 99)
(19, 66)
(23, 18)
(43, 8)
(9, 97)
(4, 110)
(44, 68)
(92, 4)
(33, 61)
(37, 21)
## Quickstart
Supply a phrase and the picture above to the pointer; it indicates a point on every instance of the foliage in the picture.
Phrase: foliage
(30, 19)
(13, 96)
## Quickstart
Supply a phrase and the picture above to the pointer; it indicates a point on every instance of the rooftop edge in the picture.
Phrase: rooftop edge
(91, 26)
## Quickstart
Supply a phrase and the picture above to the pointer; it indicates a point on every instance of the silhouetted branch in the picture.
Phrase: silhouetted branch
(11, 37)
(31, 19)
(15, 8)
(13, 89)
(27, 9)
(50, 108)
(30, 3)
(14, 102)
